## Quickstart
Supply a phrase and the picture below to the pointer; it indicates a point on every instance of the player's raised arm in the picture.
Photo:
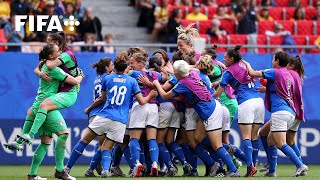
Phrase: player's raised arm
(162, 93)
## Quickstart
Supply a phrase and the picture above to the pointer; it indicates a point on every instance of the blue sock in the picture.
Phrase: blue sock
(76, 153)
(186, 151)
(96, 159)
(177, 151)
(106, 159)
(273, 157)
(226, 158)
(289, 152)
(116, 155)
(148, 161)
(216, 158)
(255, 150)
(264, 140)
(206, 142)
(142, 154)
(164, 155)
(247, 148)
(204, 155)
(194, 160)
(238, 153)
(297, 151)
(135, 150)
(153, 150)
(96, 147)
(127, 155)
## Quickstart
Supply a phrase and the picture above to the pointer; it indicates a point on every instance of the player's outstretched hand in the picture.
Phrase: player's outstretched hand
(80, 72)
(144, 80)
(45, 76)
(154, 93)
(86, 111)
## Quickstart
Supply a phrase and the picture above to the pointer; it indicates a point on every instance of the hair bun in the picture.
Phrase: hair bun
(238, 47)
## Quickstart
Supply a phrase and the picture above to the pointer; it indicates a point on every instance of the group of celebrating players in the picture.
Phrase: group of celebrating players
(149, 110)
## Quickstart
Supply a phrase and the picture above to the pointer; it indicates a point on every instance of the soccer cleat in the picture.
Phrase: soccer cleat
(67, 170)
(187, 168)
(268, 174)
(63, 175)
(163, 172)
(136, 172)
(194, 174)
(172, 171)
(99, 169)
(14, 146)
(251, 170)
(105, 174)
(265, 167)
(214, 169)
(25, 137)
(89, 173)
(233, 174)
(237, 163)
(35, 177)
(301, 170)
(154, 170)
(116, 171)
(232, 149)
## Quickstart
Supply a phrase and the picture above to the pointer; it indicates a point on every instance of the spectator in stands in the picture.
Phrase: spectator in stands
(90, 24)
(173, 23)
(4, 13)
(268, 3)
(235, 4)
(12, 35)
(79, 8)
(196, 15)
(146, 18)
(264, 15)
(161, 19)
(278, 31)
(222, 14)
(31, 35)
(211, 3)
(317, 17)
(70, 39)
(317, 43)
(89, 39)
(247, 17)
(70, 11)
(59, 7)
(107, 40)
(294, 3)
(49, 8)
(20, 7)
(183, 3)
(298, 14)
(215, 30)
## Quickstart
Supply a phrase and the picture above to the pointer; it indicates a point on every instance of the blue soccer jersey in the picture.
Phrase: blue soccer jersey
(277, 103)
(204, 109)
(206, 80)
(100, 79)
(119, 91)
(244, 91)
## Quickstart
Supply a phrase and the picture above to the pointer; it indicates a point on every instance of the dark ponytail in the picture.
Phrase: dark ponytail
(155, 62)
(298, 66)
(60, 38)
(101, 65)
(212, 51)
(235, 53)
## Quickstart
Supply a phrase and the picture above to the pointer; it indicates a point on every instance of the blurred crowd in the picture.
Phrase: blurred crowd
(88, 31)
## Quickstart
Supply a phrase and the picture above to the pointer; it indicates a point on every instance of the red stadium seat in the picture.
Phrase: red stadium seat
(229, 26)
(205, 36)
(310, 12)
(289, 12)
(311, 40)
(282, 3)
(300, 40)
(262, 40)
(304, 3)
(238, 39)
(215, 40)
(276, 13)
(3, 39)
(263, 26)
(318, 27)
(275, 40)
(287, 25)
(185, 23)
(211, 11)
(223, 2)
(305, 27)
(203, 26)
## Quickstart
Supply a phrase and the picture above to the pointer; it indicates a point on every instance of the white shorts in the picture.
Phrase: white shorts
(168, 116)
(251, 111)
(113, 130)
(192, 118)
(281, 121)
(225, 119)
(214, 122)
(295, 125)
(143, 116)
(91, 118)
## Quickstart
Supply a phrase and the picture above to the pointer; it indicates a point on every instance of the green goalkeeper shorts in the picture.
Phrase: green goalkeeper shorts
(64, 99)
(231, 104)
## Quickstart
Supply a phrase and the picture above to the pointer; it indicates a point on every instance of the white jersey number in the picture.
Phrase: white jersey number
(97, 90)
(118, 94)
(251, 85)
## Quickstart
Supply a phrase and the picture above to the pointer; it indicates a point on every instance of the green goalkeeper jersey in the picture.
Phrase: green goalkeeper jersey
(67, 60)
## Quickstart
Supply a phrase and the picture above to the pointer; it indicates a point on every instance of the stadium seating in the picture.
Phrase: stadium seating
(317, 27)
(276, 13)
(287, 25)
(262, 40)
(274, 40)
(186, 22)
(215, 40)
(282, 3)
(288, 13)
(3, 39)
(229, 25)
(309, 12)
(238, 39)
(300, 40)
(305, 27)
(203, 26)
(263, 26)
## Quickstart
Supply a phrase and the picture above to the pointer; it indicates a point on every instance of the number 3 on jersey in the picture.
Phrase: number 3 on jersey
(118, 94)
(97, 91)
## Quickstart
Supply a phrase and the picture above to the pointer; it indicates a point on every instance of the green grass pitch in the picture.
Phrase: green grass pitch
(18, 172)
